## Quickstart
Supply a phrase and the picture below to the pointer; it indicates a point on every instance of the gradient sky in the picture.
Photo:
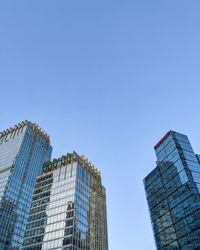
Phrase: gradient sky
(107, 79)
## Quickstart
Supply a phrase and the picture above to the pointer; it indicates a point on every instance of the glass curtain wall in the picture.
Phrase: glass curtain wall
(68, 209)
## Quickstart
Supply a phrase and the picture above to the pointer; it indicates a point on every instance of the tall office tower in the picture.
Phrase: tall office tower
(68, 210)
(23, 149)
(173, 194)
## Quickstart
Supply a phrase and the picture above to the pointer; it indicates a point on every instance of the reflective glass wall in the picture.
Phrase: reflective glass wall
(68, 209)
(23, 150)
(172, 191)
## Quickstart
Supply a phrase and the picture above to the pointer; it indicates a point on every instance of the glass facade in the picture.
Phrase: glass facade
(173, 194)
(68, 210)
(23, 149)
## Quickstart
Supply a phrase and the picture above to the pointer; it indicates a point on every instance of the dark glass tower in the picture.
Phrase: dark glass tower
(68, 210)
(173, 194)
(23, 150)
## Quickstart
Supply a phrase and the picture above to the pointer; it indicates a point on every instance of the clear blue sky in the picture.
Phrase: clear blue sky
(108, 79)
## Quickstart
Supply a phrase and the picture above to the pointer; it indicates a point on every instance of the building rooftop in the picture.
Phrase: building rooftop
(72, 158)
(19, 127)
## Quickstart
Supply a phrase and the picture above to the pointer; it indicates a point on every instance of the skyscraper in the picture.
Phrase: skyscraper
(69, 207)
(23, 149)
(173, 194)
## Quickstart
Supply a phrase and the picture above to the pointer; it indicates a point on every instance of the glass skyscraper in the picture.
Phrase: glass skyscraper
(173, 194)
(68, 210)
(23, 150)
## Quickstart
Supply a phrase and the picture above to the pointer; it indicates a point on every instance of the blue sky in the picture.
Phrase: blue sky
(107, 79)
